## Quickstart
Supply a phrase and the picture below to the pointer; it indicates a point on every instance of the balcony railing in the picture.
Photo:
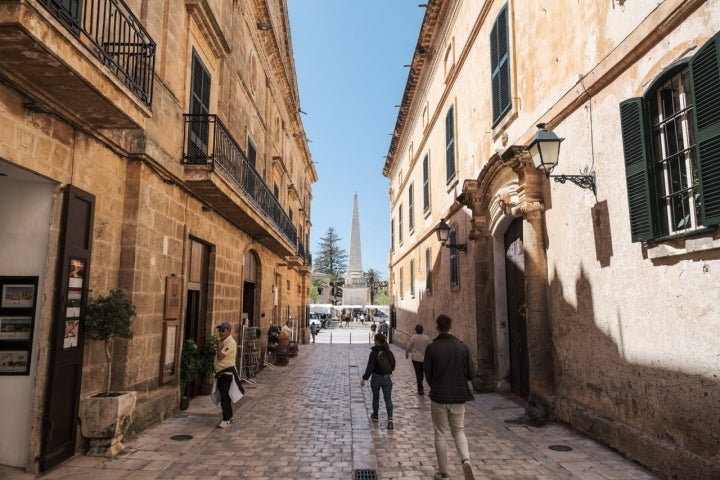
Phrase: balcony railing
(208, 142)
(110, 30)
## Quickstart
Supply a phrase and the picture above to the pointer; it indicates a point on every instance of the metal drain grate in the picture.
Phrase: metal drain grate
(560, 448)
(365, 475)
(181, 438)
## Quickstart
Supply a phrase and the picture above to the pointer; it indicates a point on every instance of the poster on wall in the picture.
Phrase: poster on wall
(71, 333)
(173, 286)
(76, 281)
(18, 299)
(168, 368)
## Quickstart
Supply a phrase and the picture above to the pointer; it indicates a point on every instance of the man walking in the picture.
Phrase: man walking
(448, 369)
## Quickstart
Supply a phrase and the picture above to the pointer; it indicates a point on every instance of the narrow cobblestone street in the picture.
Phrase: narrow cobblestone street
(310, 420)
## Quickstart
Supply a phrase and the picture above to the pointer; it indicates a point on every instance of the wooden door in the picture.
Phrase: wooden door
(66, 357)
(197, 293)
(517, 325)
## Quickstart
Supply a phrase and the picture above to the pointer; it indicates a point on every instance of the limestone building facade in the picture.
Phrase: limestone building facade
(594, 299)
(152, 146)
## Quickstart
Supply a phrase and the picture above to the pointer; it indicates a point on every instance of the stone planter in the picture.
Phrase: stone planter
(105, 420)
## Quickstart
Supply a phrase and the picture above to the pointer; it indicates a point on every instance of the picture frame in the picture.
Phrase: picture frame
(17, 295)
(173, 297)
(14, 362)
(169, 351)
(15, 327)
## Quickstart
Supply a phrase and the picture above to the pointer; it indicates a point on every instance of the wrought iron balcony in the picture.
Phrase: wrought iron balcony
(110, 30)
(214, 161)
(90, 60)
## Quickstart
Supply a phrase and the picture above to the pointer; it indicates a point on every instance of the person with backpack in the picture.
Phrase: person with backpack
(380, 366)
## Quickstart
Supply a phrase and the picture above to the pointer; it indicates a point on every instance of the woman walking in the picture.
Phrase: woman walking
(380, 366)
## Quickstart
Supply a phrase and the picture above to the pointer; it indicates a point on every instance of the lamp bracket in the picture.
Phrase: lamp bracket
(583, 181)
(462, 247)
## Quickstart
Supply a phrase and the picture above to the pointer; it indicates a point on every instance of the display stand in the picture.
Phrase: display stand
(249, 353)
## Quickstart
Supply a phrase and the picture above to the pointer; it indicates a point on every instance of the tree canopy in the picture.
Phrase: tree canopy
(330, 259)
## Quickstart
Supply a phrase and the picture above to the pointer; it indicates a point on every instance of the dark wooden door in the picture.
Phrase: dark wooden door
(197, 286)
(517, 326)
(66, 352)
(248, 307)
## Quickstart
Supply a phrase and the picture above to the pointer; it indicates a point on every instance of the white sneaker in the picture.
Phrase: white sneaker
(468, 470)
(224, 423)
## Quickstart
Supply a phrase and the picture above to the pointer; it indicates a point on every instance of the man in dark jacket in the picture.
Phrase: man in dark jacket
(448, 369)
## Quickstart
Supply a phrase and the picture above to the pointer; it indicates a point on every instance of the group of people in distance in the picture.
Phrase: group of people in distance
(448, 367)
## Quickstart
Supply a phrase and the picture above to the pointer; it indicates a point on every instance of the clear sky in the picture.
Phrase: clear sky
(349, 58)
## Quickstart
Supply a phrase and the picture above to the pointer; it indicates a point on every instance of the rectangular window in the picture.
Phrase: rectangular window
(402, 284)
(412, 278)
(411, 215)
(400, 225)
(252, 153)
(671, 137)
(199, 133)
(426, 183)
(454, 278)
(500, 66)
(428, 271)
(450, 145)
(392, 234)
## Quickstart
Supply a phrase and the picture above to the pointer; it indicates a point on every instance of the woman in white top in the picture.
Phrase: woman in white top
(416, 350)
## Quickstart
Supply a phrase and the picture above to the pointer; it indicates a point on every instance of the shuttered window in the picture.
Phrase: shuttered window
(671, 144)
(426, 183)
(500, 66)
(450, 145)
(452, 240)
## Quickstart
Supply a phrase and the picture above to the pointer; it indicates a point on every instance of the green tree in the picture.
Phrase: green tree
(330, 259)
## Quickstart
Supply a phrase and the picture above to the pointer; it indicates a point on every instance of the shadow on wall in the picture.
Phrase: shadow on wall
(663, 418)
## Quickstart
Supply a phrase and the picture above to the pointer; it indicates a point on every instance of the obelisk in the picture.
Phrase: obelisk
(355, 291)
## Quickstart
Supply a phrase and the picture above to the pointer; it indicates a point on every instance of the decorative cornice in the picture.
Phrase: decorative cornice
(203, 15)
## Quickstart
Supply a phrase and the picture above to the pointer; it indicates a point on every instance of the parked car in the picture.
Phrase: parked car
(315, 320)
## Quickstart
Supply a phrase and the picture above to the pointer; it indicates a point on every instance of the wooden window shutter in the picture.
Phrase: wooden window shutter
(632, 121)
(500, 66)
(450, 144)
(705, 78)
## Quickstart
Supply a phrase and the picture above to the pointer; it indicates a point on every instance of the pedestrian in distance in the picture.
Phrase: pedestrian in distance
(380, 366)
(313, 331)
(383, 328)
(227, 388)
(415, 350)
(448, 369)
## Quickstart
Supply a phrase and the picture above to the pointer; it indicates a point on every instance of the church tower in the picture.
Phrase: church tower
(355, 290)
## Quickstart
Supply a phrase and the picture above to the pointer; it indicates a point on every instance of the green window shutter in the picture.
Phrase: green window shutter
(500, 66)
(632, 121)
(705, 78)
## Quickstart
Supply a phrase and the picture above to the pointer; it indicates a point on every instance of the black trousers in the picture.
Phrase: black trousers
(419, 374)
(223, 385)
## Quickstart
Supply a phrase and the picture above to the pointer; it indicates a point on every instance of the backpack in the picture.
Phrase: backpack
(385, 362)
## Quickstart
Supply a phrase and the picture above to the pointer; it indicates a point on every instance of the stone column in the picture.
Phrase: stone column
(539, 335)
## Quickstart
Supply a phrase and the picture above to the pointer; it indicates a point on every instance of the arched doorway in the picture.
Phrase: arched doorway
(515, 293)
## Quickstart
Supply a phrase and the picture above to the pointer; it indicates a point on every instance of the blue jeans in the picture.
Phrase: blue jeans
(383, 382)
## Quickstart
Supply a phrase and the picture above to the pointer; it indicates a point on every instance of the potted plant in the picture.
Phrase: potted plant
(106, 416)
(188, 370)
(206, 364)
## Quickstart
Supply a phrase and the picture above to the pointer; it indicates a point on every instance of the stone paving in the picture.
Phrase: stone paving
(310, 420)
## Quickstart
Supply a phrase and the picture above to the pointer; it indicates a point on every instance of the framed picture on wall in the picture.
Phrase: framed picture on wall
(168, 356)
(17, 296)
(15, 327)
(14, 361)
(173, 295)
